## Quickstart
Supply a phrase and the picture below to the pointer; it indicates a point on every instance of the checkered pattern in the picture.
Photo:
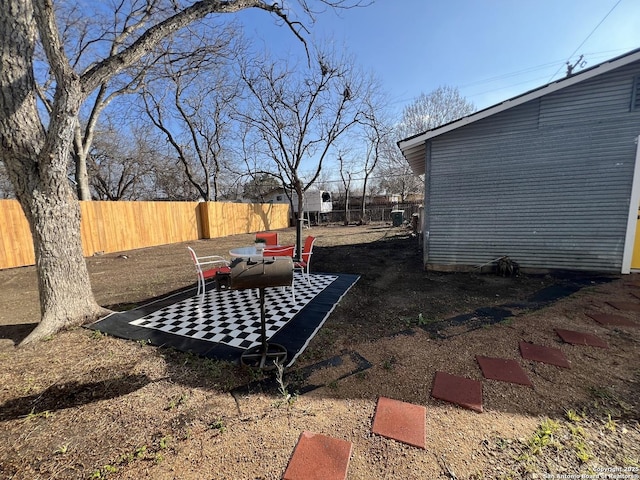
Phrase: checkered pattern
(232, 317)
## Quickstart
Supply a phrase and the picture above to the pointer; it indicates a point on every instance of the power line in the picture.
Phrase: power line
(510, 74)
(353, 179)
(539, 79)
(515, 73)
(588, 36)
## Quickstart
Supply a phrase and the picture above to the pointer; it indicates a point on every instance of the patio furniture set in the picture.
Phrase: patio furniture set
(264, 265)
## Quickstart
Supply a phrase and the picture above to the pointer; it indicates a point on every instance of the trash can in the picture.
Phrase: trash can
(397, 217)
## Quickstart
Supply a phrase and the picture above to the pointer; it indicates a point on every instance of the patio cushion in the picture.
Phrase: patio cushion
(215, 271)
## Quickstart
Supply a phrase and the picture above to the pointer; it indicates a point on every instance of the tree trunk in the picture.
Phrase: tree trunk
(66, 299)
(37, 163)
(363, 207)
(346, 209)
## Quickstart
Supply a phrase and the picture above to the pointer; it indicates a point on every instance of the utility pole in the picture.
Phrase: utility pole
(571, 67)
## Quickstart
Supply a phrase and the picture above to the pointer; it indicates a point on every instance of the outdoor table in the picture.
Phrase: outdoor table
(249, 252)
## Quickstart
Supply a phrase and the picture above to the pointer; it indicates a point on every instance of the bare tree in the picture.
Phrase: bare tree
(122, 166)
(376, 132)
(428, 111)
(298, 114)
(443, 105)
(170, 183)
(36, 150)
(191, 104)
(394, 173)
(85, 36)
(346, 176)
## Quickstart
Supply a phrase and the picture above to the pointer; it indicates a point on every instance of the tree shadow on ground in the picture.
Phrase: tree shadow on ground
(16, 333)
(69, 395)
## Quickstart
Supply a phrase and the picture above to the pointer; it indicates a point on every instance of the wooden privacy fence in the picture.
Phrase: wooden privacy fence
(120, 226)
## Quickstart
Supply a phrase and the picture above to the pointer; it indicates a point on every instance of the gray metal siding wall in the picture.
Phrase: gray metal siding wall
(546, 183)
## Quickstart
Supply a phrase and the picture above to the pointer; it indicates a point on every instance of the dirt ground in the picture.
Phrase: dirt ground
(85, 405)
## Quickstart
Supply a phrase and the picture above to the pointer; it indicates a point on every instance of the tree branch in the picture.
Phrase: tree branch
(151, 37)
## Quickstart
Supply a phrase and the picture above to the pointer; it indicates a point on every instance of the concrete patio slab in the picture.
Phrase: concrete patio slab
(540, 353)
(459, 390)
(503, 370)
(610, 320)
(318, 457)
(581, 338)
(401, 421)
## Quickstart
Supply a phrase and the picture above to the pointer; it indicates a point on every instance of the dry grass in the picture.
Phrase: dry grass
(84, 405)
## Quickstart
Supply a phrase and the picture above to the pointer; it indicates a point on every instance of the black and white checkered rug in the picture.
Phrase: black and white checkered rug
(228, 321)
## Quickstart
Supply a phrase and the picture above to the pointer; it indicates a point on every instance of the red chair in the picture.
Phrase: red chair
(208, 268)
(285, 251)
(305, 259)
(270, 237)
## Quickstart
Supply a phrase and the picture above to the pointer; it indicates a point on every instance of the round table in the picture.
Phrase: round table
(249, 252)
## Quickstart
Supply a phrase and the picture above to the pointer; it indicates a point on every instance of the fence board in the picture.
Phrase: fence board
(222, 219)
(120, 226)
(16, 246)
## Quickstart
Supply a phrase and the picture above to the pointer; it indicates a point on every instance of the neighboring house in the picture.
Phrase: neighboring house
(276, 196)
(550, 178)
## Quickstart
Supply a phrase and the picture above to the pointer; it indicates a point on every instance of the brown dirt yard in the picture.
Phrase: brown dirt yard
(85, 405)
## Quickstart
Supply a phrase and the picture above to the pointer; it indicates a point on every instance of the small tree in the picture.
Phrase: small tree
(375, 134)
(428, 111)
(299, 113)
(346, 176)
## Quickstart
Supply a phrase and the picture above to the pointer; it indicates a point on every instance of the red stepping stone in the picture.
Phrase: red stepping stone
(318, 457)
(612, 320)
(459, 390)
(503, 369)
(540, 353)
(401, 421)
(579, 338)
(626, 306)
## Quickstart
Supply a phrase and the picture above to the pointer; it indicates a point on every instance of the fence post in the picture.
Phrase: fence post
(202, 217)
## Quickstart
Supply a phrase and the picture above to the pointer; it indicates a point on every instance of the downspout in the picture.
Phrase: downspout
(632, 220)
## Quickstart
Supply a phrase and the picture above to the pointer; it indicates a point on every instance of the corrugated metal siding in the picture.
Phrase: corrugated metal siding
(546, 183)
(612, 97)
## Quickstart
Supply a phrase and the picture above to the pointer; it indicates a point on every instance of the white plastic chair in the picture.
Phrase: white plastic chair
(207, 267)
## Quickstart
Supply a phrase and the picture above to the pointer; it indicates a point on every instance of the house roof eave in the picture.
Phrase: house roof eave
(413, 148)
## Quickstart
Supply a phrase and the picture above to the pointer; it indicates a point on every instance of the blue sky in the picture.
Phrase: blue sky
(490, 49)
